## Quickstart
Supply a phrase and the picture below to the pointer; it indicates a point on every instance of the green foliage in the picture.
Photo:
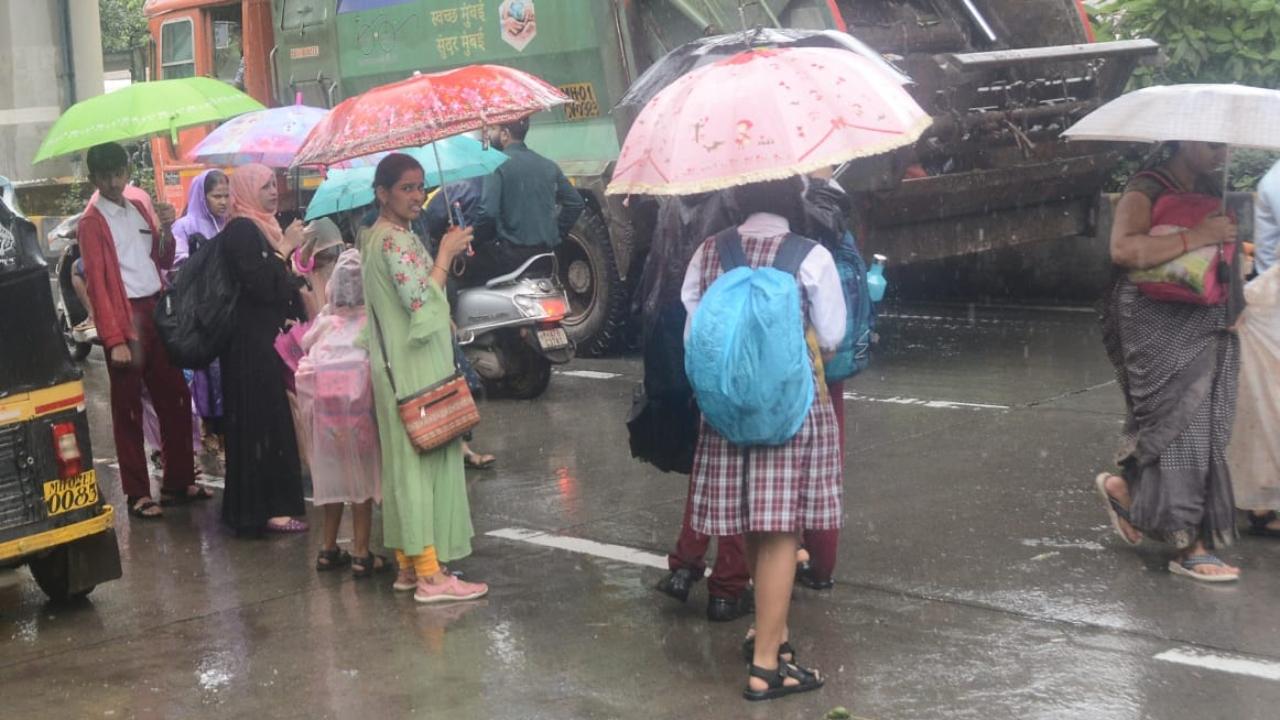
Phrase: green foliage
(1204, 40)
(124, 26)
(1231, 41)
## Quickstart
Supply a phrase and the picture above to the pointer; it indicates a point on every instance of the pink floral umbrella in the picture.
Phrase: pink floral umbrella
(271, 137)
(425, 108)
(765, 114)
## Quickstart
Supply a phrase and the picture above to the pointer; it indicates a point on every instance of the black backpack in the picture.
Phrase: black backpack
(196, 315)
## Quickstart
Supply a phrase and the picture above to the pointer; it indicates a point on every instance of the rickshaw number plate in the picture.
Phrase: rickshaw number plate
(553, 339)
(65, 495)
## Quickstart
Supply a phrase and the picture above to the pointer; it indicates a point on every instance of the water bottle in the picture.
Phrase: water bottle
(875, 278)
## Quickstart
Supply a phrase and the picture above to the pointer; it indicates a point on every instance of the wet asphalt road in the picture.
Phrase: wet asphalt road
(978, 577)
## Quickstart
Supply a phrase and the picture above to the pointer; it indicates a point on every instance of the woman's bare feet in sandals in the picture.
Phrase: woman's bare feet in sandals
(1117, 489)
(1197, 561)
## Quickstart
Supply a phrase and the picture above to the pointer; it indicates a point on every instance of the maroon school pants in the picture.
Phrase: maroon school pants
(822, 544)
(730, 575)
(172, 402)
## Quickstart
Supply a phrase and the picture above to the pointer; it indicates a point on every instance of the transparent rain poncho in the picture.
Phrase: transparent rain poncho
(335, 396)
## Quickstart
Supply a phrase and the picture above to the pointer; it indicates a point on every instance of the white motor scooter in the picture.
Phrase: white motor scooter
(511, 331)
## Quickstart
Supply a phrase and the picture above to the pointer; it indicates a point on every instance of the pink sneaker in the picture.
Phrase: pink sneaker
(406, 579)
(451, 590)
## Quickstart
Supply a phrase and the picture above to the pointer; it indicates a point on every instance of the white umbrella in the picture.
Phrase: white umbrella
(1237, 115)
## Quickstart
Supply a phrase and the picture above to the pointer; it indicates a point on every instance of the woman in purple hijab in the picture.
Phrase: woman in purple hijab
(208, 204)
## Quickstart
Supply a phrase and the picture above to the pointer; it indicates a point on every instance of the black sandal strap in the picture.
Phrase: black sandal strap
(802, 675)
(773, 677)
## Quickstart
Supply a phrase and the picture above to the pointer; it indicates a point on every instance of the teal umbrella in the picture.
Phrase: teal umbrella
(349, 185)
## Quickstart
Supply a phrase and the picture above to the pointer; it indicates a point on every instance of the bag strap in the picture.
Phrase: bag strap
(386, 362)
(729, 248)
(792, 254)
(1165, 180)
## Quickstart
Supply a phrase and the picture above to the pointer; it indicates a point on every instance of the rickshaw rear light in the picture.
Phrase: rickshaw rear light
(66, 449)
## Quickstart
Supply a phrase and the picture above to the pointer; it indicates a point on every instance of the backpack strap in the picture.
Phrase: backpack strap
(792, 253)
(729, 248)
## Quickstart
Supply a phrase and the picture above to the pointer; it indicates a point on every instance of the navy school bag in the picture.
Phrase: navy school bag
(746, 355)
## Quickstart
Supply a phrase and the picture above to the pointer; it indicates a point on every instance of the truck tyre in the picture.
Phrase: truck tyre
(598, 296)
(52, 572)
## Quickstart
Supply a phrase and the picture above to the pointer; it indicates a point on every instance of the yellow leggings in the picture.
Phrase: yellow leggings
(424, 565)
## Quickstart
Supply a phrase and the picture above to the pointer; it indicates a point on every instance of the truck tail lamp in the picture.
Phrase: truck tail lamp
(66, 449)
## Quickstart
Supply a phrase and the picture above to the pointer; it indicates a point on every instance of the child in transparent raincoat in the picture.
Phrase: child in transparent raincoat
(335, 400)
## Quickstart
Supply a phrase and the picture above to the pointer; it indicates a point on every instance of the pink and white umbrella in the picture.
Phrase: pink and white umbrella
(765, 114)
(271, 137)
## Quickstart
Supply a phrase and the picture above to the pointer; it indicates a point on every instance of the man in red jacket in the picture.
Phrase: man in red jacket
(124, 253)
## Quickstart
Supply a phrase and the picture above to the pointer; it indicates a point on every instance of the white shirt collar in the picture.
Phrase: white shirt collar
(765, 225)
(113, 209)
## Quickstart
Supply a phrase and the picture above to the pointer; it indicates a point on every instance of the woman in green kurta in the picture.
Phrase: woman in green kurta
(426, 516)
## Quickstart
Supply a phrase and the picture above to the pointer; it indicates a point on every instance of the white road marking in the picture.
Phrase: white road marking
(933, 404)
(1235, 664)
(589, 374)
(620, 553)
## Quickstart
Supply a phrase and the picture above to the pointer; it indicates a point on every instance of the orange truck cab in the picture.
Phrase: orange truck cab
(230, 41)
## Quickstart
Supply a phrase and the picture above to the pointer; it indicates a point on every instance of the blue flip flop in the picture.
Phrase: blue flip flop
(1186, 568)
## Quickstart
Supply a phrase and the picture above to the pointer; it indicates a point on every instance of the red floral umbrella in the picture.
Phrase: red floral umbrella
(425, 108)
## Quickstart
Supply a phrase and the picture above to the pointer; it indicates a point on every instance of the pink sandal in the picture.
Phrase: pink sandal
(293, 526)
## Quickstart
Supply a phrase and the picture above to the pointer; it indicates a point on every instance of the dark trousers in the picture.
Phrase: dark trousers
(172, 402)
(492, 259)
(730, 575)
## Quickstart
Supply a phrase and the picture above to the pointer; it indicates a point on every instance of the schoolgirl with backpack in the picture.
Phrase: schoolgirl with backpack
(764, 305)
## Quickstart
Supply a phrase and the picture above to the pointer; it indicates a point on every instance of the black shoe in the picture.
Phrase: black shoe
(805, 577)
(724, 609)
(678, 584)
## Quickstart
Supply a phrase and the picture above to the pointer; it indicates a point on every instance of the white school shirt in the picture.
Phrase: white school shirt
(818, 276)
(131, 235)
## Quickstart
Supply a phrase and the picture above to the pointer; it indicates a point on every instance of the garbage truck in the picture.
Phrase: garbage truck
(1001, 78)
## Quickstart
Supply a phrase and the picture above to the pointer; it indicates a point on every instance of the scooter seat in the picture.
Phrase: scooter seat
(520, 271)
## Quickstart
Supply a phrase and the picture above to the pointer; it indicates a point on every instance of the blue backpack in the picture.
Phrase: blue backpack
(854, 352)
(746, 355)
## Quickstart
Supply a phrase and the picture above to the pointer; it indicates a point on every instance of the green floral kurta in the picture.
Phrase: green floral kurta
(424, 494)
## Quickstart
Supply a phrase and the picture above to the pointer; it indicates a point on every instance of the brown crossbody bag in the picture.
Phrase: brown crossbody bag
(437, 414)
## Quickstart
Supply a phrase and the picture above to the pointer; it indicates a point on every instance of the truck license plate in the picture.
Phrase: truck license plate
(553, 339)
(65, 495)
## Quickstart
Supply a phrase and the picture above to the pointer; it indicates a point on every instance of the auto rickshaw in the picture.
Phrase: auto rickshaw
(53, 517)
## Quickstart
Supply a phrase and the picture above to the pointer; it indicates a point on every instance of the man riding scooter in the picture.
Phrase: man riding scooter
(517, 216)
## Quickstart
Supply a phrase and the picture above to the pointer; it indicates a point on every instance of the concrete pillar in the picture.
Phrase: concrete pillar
(35, 82)
(86, 43)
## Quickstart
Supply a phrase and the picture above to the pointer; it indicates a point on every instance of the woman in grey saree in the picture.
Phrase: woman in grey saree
(1177, 365)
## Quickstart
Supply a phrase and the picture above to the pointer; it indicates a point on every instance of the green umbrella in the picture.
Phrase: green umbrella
(460, 157)
(144, 109)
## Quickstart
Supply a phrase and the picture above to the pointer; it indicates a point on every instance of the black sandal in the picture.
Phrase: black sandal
(749, 650)
(333, 559)
(368, 566)
(1258, 523)
(806, 680)
(139, 510)
(170, 499)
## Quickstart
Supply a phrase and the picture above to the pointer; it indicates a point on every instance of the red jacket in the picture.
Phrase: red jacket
(112, 312)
